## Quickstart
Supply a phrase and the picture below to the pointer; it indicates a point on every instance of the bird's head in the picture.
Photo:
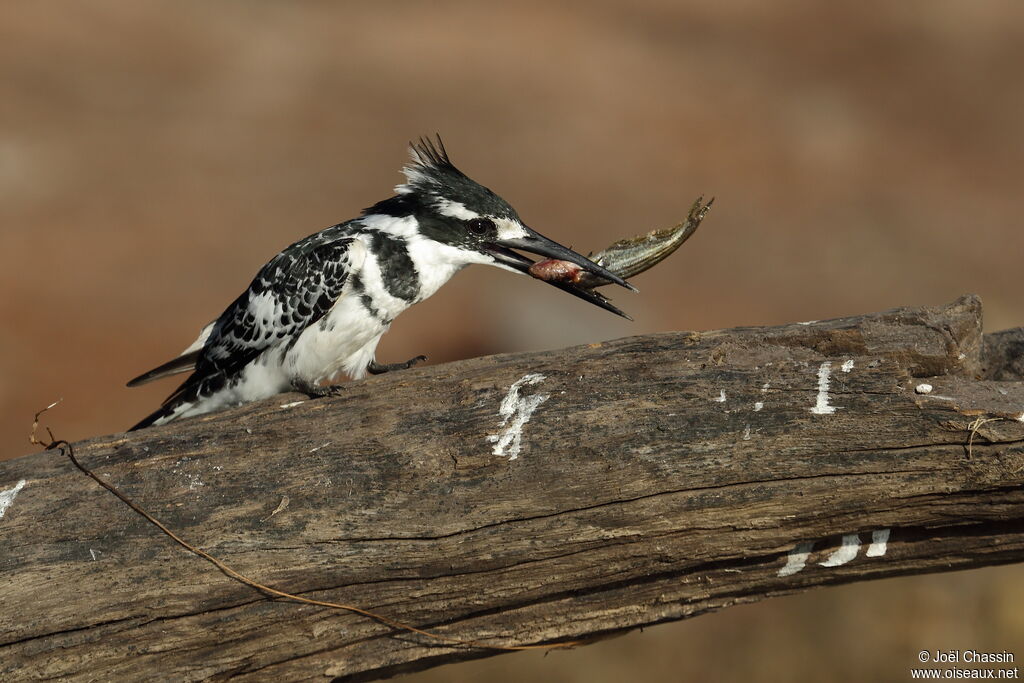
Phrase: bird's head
(454, 210)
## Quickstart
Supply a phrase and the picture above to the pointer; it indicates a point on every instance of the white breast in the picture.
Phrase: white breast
(344, 339)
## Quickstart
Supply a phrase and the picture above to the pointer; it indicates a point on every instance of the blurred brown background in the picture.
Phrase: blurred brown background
(864, 156)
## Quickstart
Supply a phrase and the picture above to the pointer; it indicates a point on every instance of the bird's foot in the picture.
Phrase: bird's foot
(315, 390)
(375, 368)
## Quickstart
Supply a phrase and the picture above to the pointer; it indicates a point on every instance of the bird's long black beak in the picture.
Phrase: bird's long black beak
(535, 243)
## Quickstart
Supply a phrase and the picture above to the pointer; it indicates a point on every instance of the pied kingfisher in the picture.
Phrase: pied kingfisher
(321, 305)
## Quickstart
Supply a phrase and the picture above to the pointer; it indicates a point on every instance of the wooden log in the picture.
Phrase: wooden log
(519, 499)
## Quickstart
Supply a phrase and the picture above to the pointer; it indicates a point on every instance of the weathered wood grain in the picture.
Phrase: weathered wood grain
(1003, 355)
(661, 477)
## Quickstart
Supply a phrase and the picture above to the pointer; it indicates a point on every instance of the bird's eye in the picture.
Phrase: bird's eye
(481, 226)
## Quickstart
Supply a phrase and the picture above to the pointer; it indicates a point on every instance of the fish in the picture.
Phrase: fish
(627, 257)
(554, 270)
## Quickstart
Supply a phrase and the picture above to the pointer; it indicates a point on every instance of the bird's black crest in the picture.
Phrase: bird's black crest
(430, 166)
(426, 153)
(433, 179)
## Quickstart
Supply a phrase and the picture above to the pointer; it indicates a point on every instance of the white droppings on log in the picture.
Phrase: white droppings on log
(797, 558)
(746, 433)
(848, 548)
(879, 541)
(194, 481)
(292, 404)
(7, 496)
(847, 366)
(923, 388)
(846, 551)
(721, 397)
(758, 405)
(515, 411)
(822, 407)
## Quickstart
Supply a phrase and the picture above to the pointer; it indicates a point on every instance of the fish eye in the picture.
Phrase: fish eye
(482, 226)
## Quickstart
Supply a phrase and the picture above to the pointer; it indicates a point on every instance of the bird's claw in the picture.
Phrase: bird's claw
(375, 368)
(315, 390)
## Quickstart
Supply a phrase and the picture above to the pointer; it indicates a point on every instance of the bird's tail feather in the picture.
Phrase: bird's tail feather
(174, 406)
(153, 419)
(183, 363)
(163, 414)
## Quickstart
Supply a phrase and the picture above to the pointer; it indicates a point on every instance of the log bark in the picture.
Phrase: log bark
(655, 479)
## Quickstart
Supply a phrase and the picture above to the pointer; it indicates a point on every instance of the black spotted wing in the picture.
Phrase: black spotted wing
(291, 292)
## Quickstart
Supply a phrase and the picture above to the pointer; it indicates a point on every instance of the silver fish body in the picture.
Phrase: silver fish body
(633, 256)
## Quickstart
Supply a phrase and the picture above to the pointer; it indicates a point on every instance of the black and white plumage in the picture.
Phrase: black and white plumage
(320, 307)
